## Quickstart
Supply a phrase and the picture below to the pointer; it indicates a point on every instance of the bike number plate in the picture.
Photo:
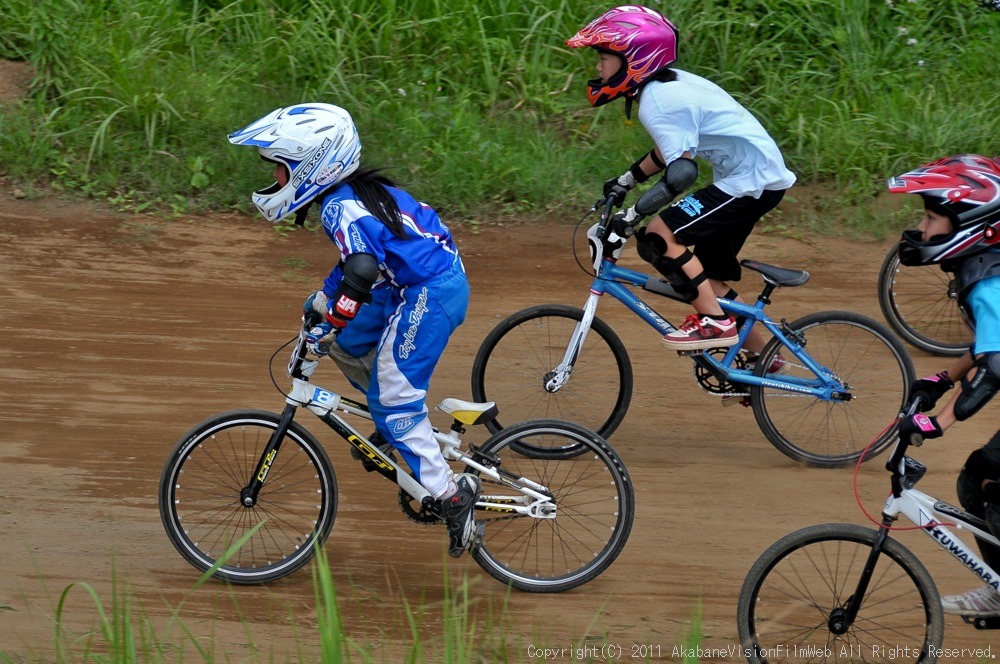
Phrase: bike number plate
(296, 354)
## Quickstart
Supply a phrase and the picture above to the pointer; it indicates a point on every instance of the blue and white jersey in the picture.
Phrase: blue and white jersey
(427, 252)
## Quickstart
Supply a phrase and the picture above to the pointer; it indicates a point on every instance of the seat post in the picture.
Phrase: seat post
(765, 295)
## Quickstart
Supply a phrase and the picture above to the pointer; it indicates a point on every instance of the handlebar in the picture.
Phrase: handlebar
(892, 465)
(605, 205)
(311, 319)
(655, 198)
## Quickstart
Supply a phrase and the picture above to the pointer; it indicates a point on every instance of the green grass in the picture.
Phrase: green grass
(459, 629)
(478, 107)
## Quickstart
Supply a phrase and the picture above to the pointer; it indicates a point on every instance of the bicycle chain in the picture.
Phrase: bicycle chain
(425, 517)
(704, 379)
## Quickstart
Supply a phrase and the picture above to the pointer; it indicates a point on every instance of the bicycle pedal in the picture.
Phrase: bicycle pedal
(732, 401)
(477, 537)
(691, 353)
(983, 622)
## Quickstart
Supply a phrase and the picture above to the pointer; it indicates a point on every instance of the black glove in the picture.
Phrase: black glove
(922, 425)
(617, 188)
(930, 389)
(623, 223)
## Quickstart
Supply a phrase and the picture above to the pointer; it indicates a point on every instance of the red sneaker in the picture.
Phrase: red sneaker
(700, 332)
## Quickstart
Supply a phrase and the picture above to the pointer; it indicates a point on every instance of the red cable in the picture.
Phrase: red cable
(857, 496)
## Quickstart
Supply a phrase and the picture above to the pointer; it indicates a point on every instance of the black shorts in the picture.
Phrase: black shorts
(718, 224)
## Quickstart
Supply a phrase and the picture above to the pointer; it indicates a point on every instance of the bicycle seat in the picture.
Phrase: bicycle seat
(778, 276)
(469, 412)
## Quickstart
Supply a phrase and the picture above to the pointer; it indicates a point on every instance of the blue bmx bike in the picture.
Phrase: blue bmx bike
(820, 389)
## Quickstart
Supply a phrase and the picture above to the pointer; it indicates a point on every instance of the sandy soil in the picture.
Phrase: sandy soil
(119, 333)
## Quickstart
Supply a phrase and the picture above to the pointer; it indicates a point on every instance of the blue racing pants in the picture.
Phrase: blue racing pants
(409, 329)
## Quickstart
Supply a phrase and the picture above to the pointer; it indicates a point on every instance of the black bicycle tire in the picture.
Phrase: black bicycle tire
(759, 400)
(482, 392)
(623, 510)
(890, 310)
(177, 531)
(748, 602)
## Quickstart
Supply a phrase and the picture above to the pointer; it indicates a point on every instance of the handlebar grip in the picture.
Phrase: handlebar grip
(916, 440)
(311, 319)
(323, 348)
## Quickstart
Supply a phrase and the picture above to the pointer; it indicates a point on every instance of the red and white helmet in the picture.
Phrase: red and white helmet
(317, 143)
(966, 189)
(644, 39)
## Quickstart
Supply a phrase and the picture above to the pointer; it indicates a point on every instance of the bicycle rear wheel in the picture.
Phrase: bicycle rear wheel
(200, 497)
(792, 604)
(521, 353)
(594, 509)
(871, 364)
(921, 305)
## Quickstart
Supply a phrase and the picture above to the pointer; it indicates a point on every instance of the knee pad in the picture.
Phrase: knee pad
(978, 468)
(673, 270)
(649, 246)
(977, 391)
(357, 370)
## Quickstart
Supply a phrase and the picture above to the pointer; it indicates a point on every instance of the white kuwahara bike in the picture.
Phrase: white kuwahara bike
(856, 594)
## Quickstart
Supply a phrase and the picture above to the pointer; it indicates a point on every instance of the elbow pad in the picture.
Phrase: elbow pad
(977, 391)
(680, 174)
(360, 274)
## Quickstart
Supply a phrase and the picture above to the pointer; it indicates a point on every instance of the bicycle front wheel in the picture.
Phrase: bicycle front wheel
(921, 305)
(201, 507)
(569, 540)
(520, 355)
(869, 362)
(792, 607)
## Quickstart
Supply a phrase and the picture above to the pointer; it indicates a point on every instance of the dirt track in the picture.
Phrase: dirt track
(119, 333)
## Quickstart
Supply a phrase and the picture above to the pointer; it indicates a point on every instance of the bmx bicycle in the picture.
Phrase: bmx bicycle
(554, 360)
(921, 305)
(542, 525)
(843, 592)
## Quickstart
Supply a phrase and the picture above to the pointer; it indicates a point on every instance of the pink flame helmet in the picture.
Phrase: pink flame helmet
(643, 38)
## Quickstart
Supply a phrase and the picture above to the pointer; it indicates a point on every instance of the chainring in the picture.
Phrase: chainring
(416, 511)
(708, 381)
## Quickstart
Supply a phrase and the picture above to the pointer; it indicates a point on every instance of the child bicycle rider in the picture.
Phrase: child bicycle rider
(687, 116)
(959, 231)
(397, 294)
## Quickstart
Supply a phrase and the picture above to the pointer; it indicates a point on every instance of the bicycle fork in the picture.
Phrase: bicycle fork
(842, 618)
(559, 376)
(248, 496)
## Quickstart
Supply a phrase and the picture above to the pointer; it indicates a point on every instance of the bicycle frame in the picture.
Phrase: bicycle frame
(612, 279)
(536, 500)
(931, 515)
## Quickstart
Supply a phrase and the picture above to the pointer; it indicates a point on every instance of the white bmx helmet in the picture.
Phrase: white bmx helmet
(317, 143)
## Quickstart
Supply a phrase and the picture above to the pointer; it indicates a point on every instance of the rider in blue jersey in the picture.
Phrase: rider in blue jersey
(959, 232)
(391, 303)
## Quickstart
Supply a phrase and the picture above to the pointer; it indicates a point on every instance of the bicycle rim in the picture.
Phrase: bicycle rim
(920, 305)
(519, 355)
(595, 507)
(867, 359)
(200, 498)
(796, 593)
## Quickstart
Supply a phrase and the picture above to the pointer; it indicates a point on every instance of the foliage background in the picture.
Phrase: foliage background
(476, 106)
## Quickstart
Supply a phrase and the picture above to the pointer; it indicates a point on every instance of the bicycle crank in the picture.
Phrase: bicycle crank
(426, 514)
